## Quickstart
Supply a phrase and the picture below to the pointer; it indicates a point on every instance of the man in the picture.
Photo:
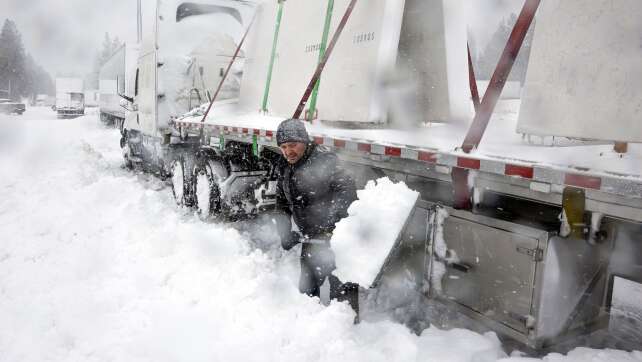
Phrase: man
(315, 192)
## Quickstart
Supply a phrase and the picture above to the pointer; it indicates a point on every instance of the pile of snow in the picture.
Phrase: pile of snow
(98, 264)
(364, 239)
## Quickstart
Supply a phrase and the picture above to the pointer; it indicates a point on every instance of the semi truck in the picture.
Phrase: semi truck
(116, 77)
(530, 212)
(178, 66)
(70, 97)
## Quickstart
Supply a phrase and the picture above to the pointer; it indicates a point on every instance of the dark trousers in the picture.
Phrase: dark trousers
(317, 264)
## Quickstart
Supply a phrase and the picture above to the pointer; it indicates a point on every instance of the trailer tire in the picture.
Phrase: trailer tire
(208, 175)
(180, 177)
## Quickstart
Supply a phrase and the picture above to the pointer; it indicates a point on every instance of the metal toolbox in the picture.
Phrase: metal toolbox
(521, 281)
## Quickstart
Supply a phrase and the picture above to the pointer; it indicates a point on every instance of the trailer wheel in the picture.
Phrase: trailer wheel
(180, 182)
(208, 175)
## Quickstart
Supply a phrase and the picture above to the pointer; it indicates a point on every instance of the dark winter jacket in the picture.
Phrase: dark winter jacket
(316, 192)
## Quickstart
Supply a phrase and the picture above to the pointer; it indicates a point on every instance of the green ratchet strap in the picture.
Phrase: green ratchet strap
(221, 142)
(277, 27)
(324, 61)
(255, 145)
(324, 43)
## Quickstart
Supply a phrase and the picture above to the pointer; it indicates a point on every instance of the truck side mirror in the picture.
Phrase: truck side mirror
(127, 105)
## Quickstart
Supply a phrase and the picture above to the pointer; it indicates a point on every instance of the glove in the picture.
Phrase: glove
(291, 240)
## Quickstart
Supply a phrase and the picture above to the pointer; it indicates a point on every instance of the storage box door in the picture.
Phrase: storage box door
(499, 281)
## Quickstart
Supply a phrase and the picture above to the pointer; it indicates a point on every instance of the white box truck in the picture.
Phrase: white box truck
(70, 97)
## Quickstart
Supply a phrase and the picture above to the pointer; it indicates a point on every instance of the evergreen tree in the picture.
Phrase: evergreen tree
(489, 58)
(20, 75)
(13, 73)
(40, 82)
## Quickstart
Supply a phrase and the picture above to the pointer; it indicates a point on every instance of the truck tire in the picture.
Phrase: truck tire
(180, 181)
(208, 175)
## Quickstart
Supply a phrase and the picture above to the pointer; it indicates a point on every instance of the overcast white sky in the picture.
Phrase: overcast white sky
(64, 35)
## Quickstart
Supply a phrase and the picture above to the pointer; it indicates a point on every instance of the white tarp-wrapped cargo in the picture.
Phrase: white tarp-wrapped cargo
(368, 44)
(587, 83)
(352, 84)
(433, 58)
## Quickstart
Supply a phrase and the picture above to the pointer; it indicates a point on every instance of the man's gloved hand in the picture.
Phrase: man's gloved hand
(291, 241)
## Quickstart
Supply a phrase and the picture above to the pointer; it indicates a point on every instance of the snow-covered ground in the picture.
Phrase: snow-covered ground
(98, 264)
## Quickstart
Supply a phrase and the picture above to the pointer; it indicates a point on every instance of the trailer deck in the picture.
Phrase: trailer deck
(540, 168)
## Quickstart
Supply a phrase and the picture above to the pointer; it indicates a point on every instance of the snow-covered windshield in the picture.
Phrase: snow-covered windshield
(195, 43)
(190, 9)
(76, 99)
(184, 25)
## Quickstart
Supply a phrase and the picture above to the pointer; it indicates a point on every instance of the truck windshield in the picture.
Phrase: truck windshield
(77, 97)
(188, 9)
(195, 22)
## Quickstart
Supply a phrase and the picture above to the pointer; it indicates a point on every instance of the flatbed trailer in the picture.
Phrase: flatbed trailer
(538, 171)
(563, 283)
(533, 231)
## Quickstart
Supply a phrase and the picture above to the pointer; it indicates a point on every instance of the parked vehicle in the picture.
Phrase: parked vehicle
(9, 107)
(70, 97)
(178, 68)
(529, 240)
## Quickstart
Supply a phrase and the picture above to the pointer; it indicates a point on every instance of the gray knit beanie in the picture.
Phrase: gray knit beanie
(292, 130)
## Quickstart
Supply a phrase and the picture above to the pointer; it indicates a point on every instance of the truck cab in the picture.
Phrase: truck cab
(70, 97)
(178, 68)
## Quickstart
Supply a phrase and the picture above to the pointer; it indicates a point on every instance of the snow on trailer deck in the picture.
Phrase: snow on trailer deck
(502, 151)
